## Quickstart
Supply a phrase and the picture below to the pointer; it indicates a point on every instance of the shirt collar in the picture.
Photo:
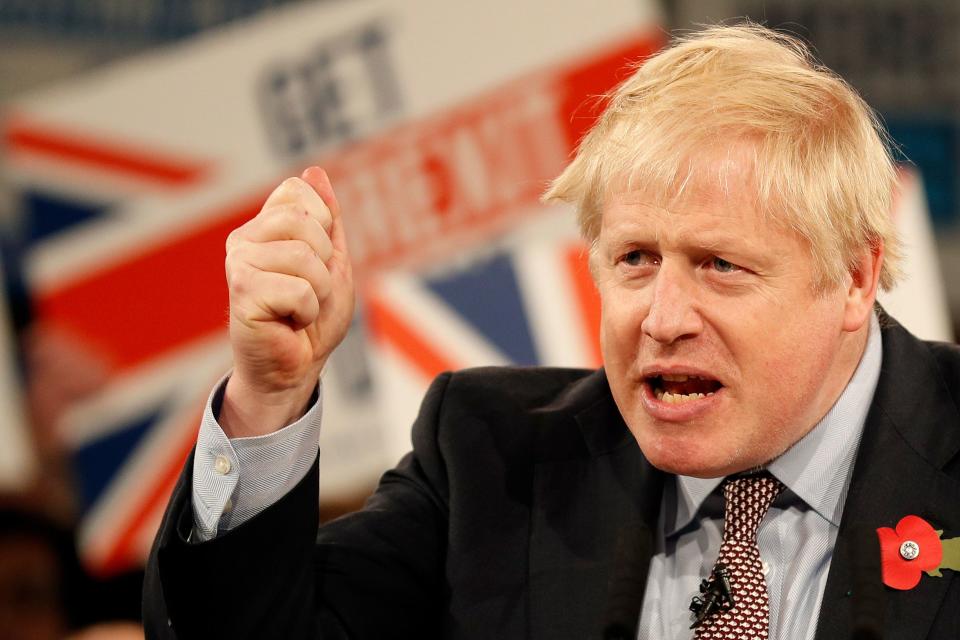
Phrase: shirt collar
(817, 468)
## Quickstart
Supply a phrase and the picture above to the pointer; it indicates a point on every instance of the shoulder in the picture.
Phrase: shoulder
(523, 388)
(509, 397)
(947, 358)
(510, 410)
(918, 392)
(906, 355)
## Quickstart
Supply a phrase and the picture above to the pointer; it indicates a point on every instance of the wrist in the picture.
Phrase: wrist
(247, 411)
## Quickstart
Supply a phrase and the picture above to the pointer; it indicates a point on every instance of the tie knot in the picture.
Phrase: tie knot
(746, 500)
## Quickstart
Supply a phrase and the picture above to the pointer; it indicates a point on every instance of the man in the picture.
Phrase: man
(737, 200)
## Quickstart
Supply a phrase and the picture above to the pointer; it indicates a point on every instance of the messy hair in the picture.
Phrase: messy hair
(821, 159)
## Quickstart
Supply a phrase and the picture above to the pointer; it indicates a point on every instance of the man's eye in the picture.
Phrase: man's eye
(723, 266)
(638, 258)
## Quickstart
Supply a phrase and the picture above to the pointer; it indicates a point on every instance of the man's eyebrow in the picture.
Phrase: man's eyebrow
(707, 241)
(719, 242)
(729, 245)
(719, 238)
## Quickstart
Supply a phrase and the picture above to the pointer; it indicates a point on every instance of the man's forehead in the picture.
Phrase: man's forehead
(697, 224)
(695, 211)
(727, 166)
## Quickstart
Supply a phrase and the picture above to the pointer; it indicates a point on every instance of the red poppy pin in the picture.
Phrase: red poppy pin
(915, 546)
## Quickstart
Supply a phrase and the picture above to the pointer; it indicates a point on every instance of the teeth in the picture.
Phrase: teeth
(677, 398)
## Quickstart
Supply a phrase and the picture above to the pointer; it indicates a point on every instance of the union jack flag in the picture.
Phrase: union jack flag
(136, 292)
(141, 287)
(532, 304)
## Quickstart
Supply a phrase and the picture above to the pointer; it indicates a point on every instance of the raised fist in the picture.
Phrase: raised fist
(291, 301)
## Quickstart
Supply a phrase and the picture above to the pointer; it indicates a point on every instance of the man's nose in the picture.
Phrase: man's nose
(673, 313)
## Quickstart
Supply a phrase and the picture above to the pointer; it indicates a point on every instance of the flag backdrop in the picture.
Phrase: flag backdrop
(439, 124)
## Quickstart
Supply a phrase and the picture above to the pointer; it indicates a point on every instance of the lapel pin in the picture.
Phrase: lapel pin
(914, 546)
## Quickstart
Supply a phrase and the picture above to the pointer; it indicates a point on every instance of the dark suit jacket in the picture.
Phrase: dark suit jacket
(504, 521)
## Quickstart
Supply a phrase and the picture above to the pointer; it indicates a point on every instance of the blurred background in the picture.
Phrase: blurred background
(134, 134)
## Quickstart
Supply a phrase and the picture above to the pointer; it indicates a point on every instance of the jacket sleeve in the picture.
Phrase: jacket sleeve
(377, 573)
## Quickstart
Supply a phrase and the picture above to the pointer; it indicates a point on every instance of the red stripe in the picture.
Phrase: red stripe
(588, 300)
(386, 326)
(85, 150)
(168, 295)
(585, 86)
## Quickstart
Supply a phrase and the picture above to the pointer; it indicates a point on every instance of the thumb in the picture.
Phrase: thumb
(320, 181)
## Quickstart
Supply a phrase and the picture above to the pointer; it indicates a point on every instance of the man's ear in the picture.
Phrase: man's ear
(862, 292)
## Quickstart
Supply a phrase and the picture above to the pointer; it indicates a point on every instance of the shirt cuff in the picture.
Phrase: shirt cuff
(235, 479)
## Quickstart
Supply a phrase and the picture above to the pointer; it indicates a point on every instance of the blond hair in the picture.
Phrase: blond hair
(820, 157)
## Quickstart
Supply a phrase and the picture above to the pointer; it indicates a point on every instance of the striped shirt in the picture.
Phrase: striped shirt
(235, 479)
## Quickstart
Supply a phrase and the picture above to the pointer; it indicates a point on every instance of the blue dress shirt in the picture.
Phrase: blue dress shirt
(796, 538)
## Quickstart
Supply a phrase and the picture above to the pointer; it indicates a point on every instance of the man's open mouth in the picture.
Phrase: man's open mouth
(675, 388)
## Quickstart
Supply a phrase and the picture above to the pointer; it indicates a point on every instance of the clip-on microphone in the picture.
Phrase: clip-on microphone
(717, 595)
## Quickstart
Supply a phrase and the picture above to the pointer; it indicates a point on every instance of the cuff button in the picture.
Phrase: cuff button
(221, 464)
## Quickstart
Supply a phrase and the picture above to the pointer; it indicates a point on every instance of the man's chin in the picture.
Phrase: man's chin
(698, 461)
(694, 470)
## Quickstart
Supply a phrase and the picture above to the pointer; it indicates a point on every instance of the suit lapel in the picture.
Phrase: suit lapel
(593, 492)
(910, 434)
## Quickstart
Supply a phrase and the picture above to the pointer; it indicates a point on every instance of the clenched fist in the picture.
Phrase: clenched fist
(291, 301)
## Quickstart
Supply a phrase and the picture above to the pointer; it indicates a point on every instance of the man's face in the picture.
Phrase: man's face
(719, 350)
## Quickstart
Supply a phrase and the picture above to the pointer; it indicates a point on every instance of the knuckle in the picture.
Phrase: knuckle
(304, 291)
(232, 239)
(270, 213)
(302, 252)
(290, 213)
(238, 284)
(292, 186)
(280, 219)
(236, 256)
(240, 277)
(307, 301)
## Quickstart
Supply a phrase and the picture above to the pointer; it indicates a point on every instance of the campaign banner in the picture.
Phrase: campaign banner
(439, 123)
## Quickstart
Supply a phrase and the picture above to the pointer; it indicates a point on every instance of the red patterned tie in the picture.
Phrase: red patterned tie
(747, 499)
